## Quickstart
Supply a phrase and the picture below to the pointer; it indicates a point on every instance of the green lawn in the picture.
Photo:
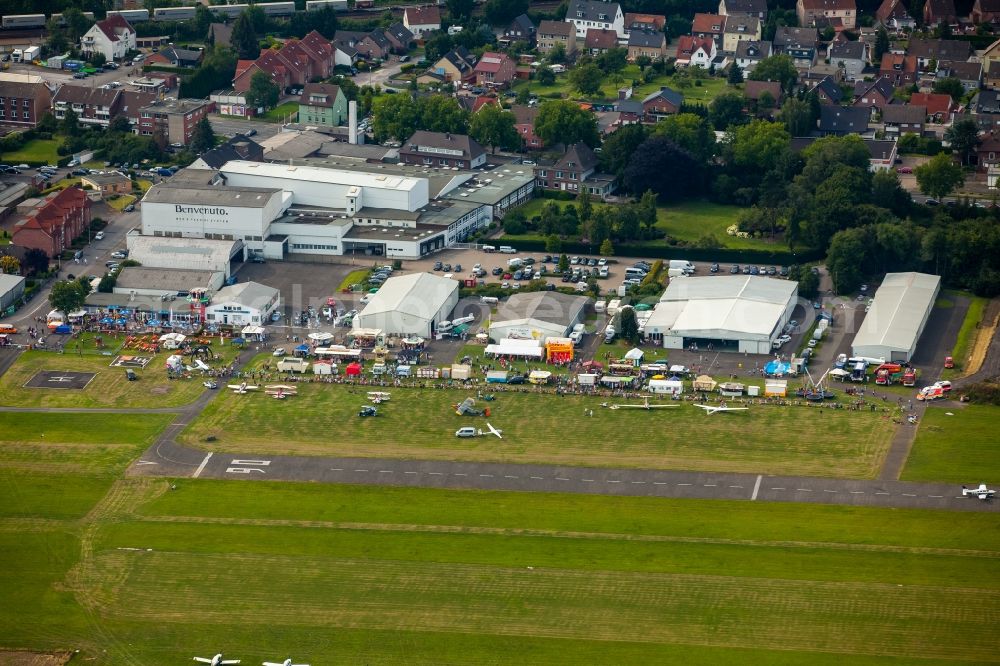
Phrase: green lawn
(36, 150)
(280, 113)
(419, 423)
(959, 449)
(120, 202)
(966, 335)
(357, 276)
(709, 89)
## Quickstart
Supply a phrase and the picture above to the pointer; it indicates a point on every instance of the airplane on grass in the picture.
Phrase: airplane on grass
(644, 405)
(378, 397)
(280, 391)
(469, 431)
(287, 662)
(240, 389)
(712, 409)
(217, 660)
(982, 492)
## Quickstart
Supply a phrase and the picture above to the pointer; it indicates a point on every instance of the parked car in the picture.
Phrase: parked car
(438, 265)
(904, 169)
(714, 268)
(735, 269)
(99, 235)
(118, 254)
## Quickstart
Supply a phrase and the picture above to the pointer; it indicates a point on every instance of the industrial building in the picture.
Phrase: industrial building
(730, 312)
(11, 290)
(242, 303)
(146, 281)
(538, 315)
(188, 253)
(410, 305)
(897, 317)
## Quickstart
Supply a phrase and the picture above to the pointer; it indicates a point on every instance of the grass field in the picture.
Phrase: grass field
(354, 277)
(966, 335)
(36, 150)
(961, 448)
(419, 423)
(280, 113)
(709, 89)
(109, 388)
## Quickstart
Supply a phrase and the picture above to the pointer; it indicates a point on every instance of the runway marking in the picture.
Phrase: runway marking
(360, 470)
(486, 476)
(460, 474)
(803, 490)
(685, 484)
(881, 493)
(411, 472)
(336, 469)
(936, 496)
(561, 478)
(612, 481)
(829, 491)
(536, 478)
(777, 488)
(659, 483)
(509, 476)
(146, 462)
(907, 495)
(436, 473)
(710, 485)
(637, 482)
(756, 487)
(735, 486)
(587, 480)
(385, 471)
(201, 467)
(857, 492)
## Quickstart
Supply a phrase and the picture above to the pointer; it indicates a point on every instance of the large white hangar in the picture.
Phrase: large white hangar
(411, 304)
(731, 312)
(538, 315)
(897, 316)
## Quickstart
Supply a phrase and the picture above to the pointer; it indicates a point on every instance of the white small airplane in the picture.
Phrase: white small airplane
(982, 492)
(280, 391)
(242, 388)
(217, 660)
(287, 662)
(379, 397)
(644, 405)
(201, 365)
(494, 431)
(712, 409)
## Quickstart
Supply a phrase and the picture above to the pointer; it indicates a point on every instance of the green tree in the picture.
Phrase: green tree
(584, 206)
(642, 62)
(662, 166)
(689, 131)
(628, 324)
(607, 249)
(70, 125)
(67, 296)
(797, 117)
(887, 192)
(553, 244)
(563, 263)
(57, 40)
(950, 85)
(647, 210)
(203, 137)
(557, 54)
(76, 24)
(726, 109)
(202, 19)
(9, 265)
(939, 176)
(586, 78)
(107, 283)
(244, 38)
(734, 76)
(808, 284)
(780, 68)
(848, 252)
(881, 45)
(562, 121)
(514, 223)
(618, 148)
(545, 77)
(441, 113)
(502, 12)
(758, 144)
(493, 126)
(963, 136)
(460, 9)
(394, 117)
(548, 221)
(263, 92)
(613, 60)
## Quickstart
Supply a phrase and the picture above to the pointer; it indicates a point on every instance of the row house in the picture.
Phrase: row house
(24, 99)
(294, 64)
(827, 91)
(799, 43)
(754, 8)
(648, 43)
(988, 154)
(893, 15)
(132, 104)
(51, 228)
(551, 33)
(93, 106)
(969, 73)
(985, 11)
(575, 172)
(986, 110)
(586, 15)
(740, 29)
(843, 13)
(926, 50)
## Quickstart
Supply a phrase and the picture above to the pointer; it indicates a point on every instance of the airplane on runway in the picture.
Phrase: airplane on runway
(982, 492)
(494, 431)
(712, 409)
(644, 405)
(240, 389)
(287, 662)
(217, 660)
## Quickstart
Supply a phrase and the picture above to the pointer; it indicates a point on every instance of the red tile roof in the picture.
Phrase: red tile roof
(708, 23)
(936, 103)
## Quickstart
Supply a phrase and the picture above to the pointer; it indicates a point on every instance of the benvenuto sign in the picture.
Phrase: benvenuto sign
(200, 210)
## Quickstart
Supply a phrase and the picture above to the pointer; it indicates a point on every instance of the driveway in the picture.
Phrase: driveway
(379, 77)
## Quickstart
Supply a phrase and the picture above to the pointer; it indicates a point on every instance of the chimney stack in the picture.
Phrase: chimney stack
(352, 122)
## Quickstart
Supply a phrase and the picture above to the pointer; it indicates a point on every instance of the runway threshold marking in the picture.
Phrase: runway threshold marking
(201, 467)
(756, 487)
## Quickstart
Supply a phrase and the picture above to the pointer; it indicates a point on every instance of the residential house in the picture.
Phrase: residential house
(108, 184)
(901, 70)
(353, 45)
(649, 43)
(422, 20)
(239, 147)
(985, 11)
(322, 104)
(661, 103)
(455, 65)
(133, 101)
(294, 64)
(755, 8)
(827, 91)
(645, 22)
(740, 29)
(695, 51)
(173, 119)
(941, 109)
(754, 90)
(988, 152)
(52, 226)
(748, 54)
(799, 43)
(926, 50)
(93, 106)
(24, 99)
(939, 11)
(832, 12)
(442, 149)
(113, 37)
(524, 123)
(599, 40)
(629, 110)
(851, 57)
(710, 26)
(986, 110)
(220, 34)
(173, 56)
(990, 59)
(551, 33)
(521, 29)
(881, 153)
(399, 36)
(575, 171)
(495, 70)
(840, 120)
(585, 15)
(893, 15)
(345, 49)
(969, 73)
(875, 95)
(322, 52)
(900, 119)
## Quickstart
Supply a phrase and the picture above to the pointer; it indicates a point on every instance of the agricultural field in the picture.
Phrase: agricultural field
(109, 387)
(420, 423)
(959, 448)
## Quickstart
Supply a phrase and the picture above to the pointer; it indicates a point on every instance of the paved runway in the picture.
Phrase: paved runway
(167, 458)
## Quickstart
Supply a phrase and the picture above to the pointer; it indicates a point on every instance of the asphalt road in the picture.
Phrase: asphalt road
(231, 126)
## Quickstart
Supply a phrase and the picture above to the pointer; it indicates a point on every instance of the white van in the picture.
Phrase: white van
(682, 264)
(514, 263)
(676, 272)
(489, 248)
(489, 300)
(507, 249)
(634, 272)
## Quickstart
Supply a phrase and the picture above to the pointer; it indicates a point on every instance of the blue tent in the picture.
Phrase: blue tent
(107, 320)
(238, 341)
(302, 347)
(122, 322)
(152, 322)
(63, 328)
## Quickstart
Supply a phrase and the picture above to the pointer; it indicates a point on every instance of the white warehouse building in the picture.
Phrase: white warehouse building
(411, 304)
(897, 317)
(538, 315)
(732, 312)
